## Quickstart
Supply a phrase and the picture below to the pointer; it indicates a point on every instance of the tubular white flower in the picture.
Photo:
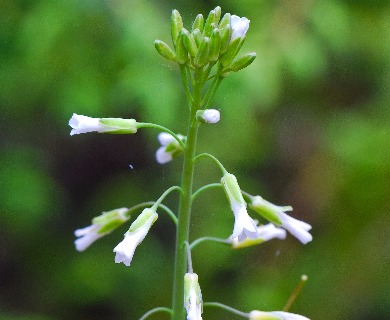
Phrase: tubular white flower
(101, 226)
(244, 226)
(136, 234)
(239, 27)
(275, 315)
(277, 215)
(192, 297)
(169, 149)
(209, 116)
(266, 232)
(84, 124)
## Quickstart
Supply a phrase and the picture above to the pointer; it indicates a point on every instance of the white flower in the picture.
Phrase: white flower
(244, 226)
(275, 315)
(170, 147)
(192, 297)
(101, 226)
(209, 116)
(239, 27)
(277, 215)
(84, 124)
(266, 232)
(87, 236)
(137, 232)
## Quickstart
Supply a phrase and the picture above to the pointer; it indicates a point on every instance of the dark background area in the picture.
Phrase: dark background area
(307, 125)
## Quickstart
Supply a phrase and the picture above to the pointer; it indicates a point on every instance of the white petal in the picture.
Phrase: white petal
(211, 116)
(288, 316)
(239, 26)
(297, 228)
(84, 124)
(85, 241)
(269, 231)
(244, 225)
(162, 156)
(165, 138)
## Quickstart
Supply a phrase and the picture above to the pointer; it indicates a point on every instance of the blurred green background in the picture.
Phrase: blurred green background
(306, 124)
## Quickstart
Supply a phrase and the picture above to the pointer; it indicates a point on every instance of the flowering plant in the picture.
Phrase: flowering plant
(206, 54)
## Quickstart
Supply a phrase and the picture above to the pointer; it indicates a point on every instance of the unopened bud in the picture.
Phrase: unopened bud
(217, 11)
(176, 25)
(198, 23)
(225, 34)
(215, 45)
(208, 28)
(189, 42)
(209, 116)
(197, 35)
(163, 49)
(181, 50)
(225, 20)
(231, 51)
(243, 61)
(203, 52)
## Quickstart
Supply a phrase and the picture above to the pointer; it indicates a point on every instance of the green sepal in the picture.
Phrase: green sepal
(197, 35)
(111, 220)
(181, 50)
(163, 49)
(208, 26)
(218, 12)
(231, 51)
(242, 62)
(225, 34)
(189, 42)
(143, 218)
(119, 125)
(266, 209)
(198, 23)
(176, 25)
(215, 45)
(232, 189)
(203, 52)
(225, 20)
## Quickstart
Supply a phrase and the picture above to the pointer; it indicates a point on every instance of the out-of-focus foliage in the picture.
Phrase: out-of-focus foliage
(307, 124)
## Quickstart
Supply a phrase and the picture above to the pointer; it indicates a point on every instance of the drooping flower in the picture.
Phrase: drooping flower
(277, 215)
(101, 226)
(275, 315)
(209, 116)
(84, 124)
(170, 147)
(244, 226)
(192, 297)
(134, 236)
(266, 232)
(239, 27)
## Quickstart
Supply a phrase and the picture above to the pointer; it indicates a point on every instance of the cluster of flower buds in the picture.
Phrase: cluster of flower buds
(209, 41)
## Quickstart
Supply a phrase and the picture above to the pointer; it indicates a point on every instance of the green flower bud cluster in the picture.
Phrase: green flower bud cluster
(209, 41)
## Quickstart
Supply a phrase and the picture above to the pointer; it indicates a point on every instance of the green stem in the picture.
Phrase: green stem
(151, 203)
(162, 128)
(203, 239)
(184, 79)
(211, 96)
(227, 308)
(208, 155)
(204, 188)
(185, 201)
(155, 310)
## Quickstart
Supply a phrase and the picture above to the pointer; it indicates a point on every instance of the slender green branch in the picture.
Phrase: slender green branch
(162, 128)
(164, 195)
(247, 195)
(295, 293)
(215, 88)
(155, 310)
(202, 155)
(203, 239)
(204, 188)
(210, 89)
(227, 308)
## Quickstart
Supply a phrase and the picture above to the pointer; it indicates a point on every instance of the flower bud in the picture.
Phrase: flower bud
(181, 50)
(163, 49)
(218, 12)
(209, 116)
(275, 315)
(198, 23)
(176, 25)
(208, 27)
(84, 124)
(203, 52)
(197, 35)
(215, 45)
(243, 61)
(231, 52)
(225, 20)
(192, 297)
(225, 34)
(189, 42)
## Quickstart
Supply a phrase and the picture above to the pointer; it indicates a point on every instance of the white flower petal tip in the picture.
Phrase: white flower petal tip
(192, 297)
(277, 215)
(239, 26)
(84, 124)
(170, 147)
(86, 237)
(275, 315)
(124, 251)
